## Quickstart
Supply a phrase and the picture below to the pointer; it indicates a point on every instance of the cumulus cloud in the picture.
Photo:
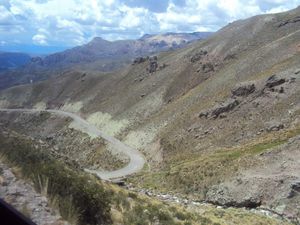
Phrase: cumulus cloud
(40, 39)
(74, 22)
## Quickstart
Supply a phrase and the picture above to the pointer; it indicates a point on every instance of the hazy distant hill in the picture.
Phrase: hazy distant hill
(97, 55)
(12, 60)
(123, 50)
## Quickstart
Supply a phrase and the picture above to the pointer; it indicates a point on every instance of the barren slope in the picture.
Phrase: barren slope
(205, 113)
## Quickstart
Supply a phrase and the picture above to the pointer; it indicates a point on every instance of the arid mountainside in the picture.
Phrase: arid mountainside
(218, 120)
(120, 51)
(97, 55)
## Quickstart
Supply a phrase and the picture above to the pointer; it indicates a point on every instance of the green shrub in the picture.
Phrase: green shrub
(89, 199)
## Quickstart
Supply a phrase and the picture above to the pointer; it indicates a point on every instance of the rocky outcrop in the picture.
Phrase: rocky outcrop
(243, 90)
(295, 190)
(153, 64)
(293, 20)
(222, 196)
(275, 127)
(140, 60)
(198, 56)
(203, 114)
(220, 110)
(274, 81)
(208, 67)
(274, 182)
(225, 107)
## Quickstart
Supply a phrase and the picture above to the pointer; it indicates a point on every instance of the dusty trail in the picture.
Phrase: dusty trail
(137, 160)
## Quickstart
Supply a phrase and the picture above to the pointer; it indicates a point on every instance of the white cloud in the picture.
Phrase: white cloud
(6, 16)
(132, 16)
(237, 9)
(73, 22)
(40, 39)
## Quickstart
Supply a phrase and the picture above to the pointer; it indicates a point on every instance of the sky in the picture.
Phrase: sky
(53, 25)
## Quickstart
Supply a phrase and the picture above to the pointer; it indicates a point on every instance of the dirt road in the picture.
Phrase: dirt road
(137, 160)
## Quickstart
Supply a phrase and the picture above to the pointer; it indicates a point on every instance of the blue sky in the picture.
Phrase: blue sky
(45, 25)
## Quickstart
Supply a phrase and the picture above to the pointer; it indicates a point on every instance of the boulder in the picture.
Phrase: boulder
(153, 65)
(243, 90)
(275, 127)
(225, 107)
(196, 57)
(295, 189)
(281, 90)
(203, 114)
(208, 67)
(274, 81)
(221, 195)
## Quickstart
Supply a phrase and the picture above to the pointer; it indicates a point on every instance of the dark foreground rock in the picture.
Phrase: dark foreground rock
(24, 198)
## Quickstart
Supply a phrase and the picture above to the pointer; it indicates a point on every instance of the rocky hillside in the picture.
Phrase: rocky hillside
(213, 119)
(82, 199)
(97, 55)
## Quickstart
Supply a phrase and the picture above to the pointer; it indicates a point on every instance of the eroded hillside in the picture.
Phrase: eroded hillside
(211, 119)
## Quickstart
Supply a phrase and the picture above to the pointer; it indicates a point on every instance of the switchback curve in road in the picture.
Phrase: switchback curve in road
(137, 159)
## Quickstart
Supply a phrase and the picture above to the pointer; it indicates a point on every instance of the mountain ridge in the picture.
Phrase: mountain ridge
(209, 118)
(99, 54)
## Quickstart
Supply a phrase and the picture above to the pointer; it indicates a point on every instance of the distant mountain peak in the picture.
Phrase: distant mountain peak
(98, 40)
(145, 36)
(101, 55)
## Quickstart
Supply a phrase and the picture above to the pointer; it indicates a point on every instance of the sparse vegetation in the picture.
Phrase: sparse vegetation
(68, 187)
(196, 174)
(82, 199)
(241, 138)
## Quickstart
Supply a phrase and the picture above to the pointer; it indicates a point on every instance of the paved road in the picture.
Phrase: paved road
(137, 160)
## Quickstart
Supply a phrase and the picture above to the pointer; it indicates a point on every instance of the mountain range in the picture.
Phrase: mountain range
(97, 55)
(218, 120)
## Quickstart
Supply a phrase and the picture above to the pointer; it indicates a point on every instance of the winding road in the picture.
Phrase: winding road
(137, 160)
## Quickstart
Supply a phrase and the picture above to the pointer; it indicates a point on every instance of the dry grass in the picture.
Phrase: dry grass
(194, 173)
